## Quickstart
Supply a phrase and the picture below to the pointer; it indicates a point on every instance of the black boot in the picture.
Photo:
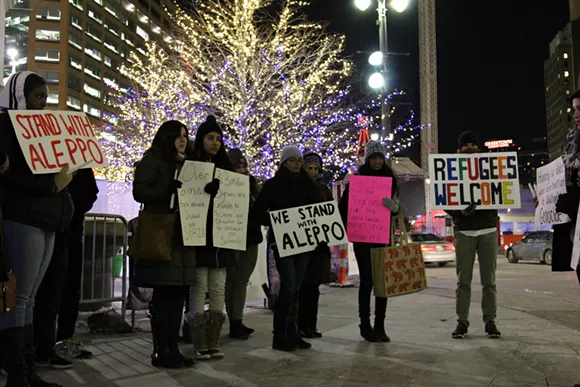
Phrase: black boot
(249, 331)
(366, 331)
(283, 343)
(174, 323)
(294, 336)
(237, 330)
(161, 356)
(380, 313)
(11, 342)
(313, 318)
(28, 345)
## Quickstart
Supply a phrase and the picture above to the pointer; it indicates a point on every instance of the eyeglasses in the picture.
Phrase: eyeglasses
(295, 159)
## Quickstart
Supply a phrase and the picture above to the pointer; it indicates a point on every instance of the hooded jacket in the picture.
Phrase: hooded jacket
(27, 198)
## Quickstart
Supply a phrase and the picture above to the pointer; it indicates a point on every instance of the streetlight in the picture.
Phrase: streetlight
(12, 54)
(375, 137)
(376, 58)
(363, 5)
(376, 81)
(399, 5)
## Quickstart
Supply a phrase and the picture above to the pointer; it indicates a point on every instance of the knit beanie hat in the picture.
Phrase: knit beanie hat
(237, 157)
(289, 152)
(466, 138)
(210, 125)
(372, 148)
(312, 158)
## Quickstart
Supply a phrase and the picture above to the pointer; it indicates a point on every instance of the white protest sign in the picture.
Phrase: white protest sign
(489, 180)
(576, 250)
(50, 140)
(230, 210)
(551, 181)
(301, 229)
(194, 201)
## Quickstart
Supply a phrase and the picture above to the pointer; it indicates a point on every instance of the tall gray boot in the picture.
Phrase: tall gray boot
(199, 324)
(214, 329)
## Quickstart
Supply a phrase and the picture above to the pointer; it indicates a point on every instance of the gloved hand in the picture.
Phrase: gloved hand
(391, 205)
(213, 187)
(322, 248)
(470, 210)
(567, 204)
(62, 179)
(174, 186)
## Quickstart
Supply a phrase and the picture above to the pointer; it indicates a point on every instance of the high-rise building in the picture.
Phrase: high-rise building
(78, 46)
(559, 82)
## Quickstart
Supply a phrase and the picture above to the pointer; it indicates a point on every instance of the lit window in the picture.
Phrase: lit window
(112, 28)
(73, 102)
(128, 6)
(112, 10)
(129, 42)
(52, 98)
(92, 110)
(111, 45)
(566, 74)
(110, 81)
(93, 33)
(76, 62)
(565, 56)
(92, 91)
(93, 71)
(155, 28)
(77, 3)
(108, 61)
(44, 55)
(142, 50)
(142, 17)
(50, 14)
(48, 35)
(94, 15)
(100, 2)
(93, 52)
(76, 22)
(75, 41)
(167, 39)
(142, 33)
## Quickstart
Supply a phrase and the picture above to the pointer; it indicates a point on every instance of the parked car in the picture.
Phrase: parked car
(536, 246)
(435, 249)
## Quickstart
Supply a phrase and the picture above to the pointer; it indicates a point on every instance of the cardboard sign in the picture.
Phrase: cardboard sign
(575, 259)
(194, 201)
(51, 140)
(489, 180)
(230, 210)
(368, 220)
(398, 270)
(301, 229)
(551, 181)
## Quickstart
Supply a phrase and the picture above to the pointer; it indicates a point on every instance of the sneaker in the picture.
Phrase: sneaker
(216, 354)
(203, 355)
(460, 331)
(55, 362)
(492, 331)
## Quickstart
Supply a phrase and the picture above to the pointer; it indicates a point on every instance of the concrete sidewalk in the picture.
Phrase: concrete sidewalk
(539, 317)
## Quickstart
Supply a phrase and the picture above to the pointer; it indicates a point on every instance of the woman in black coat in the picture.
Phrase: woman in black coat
(375, 165)
(154, 186)
(290, 187)
(211, 261)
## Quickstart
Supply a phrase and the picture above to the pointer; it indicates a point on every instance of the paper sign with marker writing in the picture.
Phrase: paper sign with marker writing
(368, 220)
(301, 229)
(551, 180)
(489, 180)
(52, 139)
(575, 259)
(194, 201)
(230, 210)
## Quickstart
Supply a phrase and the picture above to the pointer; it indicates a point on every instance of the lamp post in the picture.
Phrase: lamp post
(12, 54)
(379, 58)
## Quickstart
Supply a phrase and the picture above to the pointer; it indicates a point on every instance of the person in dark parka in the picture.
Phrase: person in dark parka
(154, 186)
(318, 270)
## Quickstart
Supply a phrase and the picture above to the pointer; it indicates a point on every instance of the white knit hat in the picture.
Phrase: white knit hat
(374, 147)
(289, 152)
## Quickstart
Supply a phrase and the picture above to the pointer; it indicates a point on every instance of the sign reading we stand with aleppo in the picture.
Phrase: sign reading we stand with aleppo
(51, 140)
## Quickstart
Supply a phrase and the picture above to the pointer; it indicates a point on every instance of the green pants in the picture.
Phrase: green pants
(237, 281)
(485, 246)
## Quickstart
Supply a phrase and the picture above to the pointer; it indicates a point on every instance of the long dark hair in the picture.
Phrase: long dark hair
(385, 171)
(163, 144)
(221, 159)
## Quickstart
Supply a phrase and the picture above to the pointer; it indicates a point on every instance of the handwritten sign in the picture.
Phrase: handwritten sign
(368, 220)
(194, 201)
(301, 229)
(230, 210)
(489, 180)
(576, 249)
(50, 140)
(551, 180)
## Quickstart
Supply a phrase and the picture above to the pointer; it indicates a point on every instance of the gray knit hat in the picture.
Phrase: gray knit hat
(289, 152)
(372, 148)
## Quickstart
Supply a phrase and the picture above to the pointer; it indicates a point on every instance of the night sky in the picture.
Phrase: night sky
(490, 61)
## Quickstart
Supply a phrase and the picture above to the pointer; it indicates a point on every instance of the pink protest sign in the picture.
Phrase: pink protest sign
(368, 220)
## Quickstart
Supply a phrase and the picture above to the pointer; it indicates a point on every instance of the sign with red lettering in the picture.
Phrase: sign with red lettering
(50, 140)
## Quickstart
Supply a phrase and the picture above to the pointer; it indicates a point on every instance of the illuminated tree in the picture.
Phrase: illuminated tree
(270, 81)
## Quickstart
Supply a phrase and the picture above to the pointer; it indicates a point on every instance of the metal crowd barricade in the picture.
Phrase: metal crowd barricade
(105, 237)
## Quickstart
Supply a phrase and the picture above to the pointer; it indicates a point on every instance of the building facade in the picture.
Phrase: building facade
(559, 81)
(78, 46)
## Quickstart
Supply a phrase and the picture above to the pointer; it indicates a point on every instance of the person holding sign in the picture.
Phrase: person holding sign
(35, 208)
(476, 233)
(318, 270)
(212, 262)
(154, 186)
(238, 276)
(374, 165)
(290, 187)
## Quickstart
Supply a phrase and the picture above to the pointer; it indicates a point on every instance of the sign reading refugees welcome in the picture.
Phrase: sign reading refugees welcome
(489, 180)
(51, 140)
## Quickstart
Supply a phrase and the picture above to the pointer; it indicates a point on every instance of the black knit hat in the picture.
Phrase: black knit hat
(312, 158)
(237, 157)
(210, 125)
(467, 138)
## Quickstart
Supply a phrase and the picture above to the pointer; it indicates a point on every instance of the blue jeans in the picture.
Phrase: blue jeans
(29, 252)
(291, 271)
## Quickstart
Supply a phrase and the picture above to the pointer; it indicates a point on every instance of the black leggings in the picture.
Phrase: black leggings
(362, 253)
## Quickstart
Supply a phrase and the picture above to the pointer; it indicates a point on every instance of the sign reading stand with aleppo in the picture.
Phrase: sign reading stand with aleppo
(51, 140)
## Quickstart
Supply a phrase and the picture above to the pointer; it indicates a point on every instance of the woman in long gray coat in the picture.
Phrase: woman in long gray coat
(154, 185)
